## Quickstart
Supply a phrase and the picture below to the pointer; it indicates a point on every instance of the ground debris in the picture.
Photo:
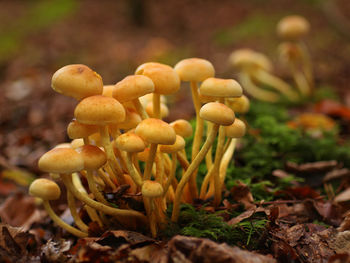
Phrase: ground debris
(190, 249)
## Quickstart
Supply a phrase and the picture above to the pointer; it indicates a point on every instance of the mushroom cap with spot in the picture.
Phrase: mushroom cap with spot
(247, 59)
(165, 79)
(94, 158)
(45, 189)
(132, 119)
(182, 128)
(156, 131)
(194, 69)
(76, 130)
(99, 110)
(164, 111)
(151, 189)
(108, 90)
(223, 88)
(61, 160)
(217, 113)
(236, 130)
(293, 27)
(130, 142)
(77, 81)
(173, 148)
(239, 105)
(132, 87)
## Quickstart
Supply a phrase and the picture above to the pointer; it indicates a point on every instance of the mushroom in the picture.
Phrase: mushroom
(293, 29)
(48, 190)
(219, 114)
(103, 111)
(77, 81)
(164, 111)
(221, 89)
(255, 69)
(165, 79)
(131, 88)
(76, 130)
(195, 70)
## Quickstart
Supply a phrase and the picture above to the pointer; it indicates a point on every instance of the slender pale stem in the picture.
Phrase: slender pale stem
(306, 63)
(205, 183)
(93, 188)
(217, 160)
(99, 206)
(300, 80)
(132, 171)
(140, 110)
(106, 179)
(226, 160)
(156, 106)
(73, 211)
(172, 173)
(276, 83)
(61, 223)
(159, 167)
(113, 162)
(255, 91)
(186, 176)
(208, 157)
(150, 160)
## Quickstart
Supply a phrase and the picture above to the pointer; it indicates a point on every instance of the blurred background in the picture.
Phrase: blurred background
(114, 37)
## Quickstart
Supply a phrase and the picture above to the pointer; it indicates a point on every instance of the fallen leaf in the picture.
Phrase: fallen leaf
(333, 108)
(241, 193)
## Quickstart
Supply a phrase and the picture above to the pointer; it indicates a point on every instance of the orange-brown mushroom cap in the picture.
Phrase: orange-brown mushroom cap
(293, 27)
(77, 81)
(217, 113)
(236, 130)
(132, 87)
(156, 131)
(76, 130)
(99, 110)
(61, 160)
(194, 69)
(173, 148)
(45, 189)
(151, 189)
(165, 79)
(130, 142)
(221, 88)
(94, 158)
(182, 128)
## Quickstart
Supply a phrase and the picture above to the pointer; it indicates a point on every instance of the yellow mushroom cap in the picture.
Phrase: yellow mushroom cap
(93, 157)
(182, 128)
(132, 119)
(247, 59)
(132, 87)
(164, 111)
(221, 88)
(143, 156)
(108, 90)
(61, 160)
(156, 131)
(165, 79)
(236, 130)
(151, 189)
(194, 69)
(76, 143)
(239, 105)
(173, 148)
(76, 130)
(130, 142)
(99, 110)
(217, 113)
(77, 81)
(293, 27)
(45, 189)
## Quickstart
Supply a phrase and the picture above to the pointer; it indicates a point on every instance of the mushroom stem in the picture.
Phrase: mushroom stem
(300, 81)
(255, 91)
(110, 155)
(172, 173)
(198, 135)
(156, 106)
(217, 160)
(91, 212)
(73, 211)
(205, 183)
(99, 206)
(276, 83)
(208, 157)
(140, 110)
(132, 171)
(186, 176)
(307, 64)
(159, 167)
(150, 160)
(93, 188)
(61, 223)
(226, 158)
(106, 179)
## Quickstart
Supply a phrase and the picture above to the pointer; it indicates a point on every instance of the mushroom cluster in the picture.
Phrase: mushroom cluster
(119, 139)
(255, 69)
